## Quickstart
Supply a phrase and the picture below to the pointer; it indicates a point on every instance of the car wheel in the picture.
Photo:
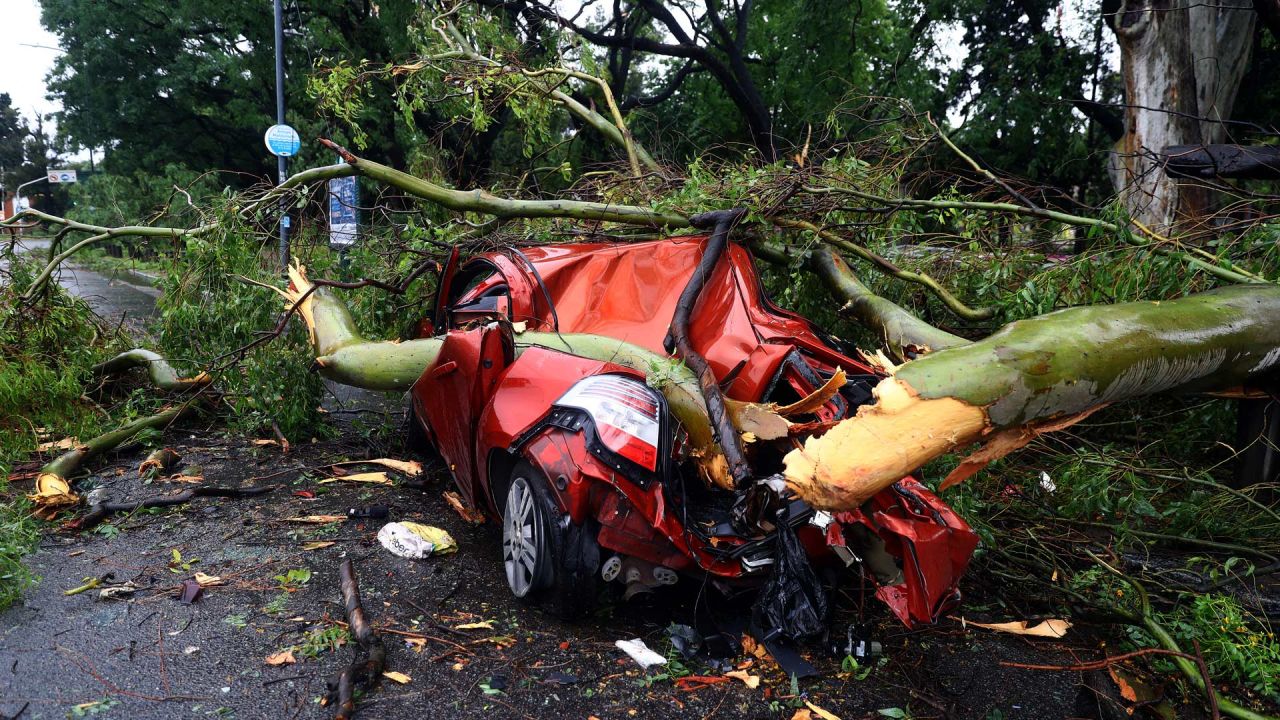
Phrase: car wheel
(548, 560)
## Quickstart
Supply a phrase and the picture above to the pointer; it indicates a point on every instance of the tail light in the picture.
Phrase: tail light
(626, 413)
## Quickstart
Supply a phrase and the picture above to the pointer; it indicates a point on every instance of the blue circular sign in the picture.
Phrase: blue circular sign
(282, 140)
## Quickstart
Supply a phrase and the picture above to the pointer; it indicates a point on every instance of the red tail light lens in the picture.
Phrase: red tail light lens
(625, 413)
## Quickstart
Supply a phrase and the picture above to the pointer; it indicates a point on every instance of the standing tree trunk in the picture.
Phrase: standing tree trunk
(1182, 63)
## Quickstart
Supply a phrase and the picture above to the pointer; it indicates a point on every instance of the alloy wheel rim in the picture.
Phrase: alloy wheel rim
(521, 538)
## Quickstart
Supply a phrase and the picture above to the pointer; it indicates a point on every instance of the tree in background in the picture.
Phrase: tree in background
(157, 82)
(13, 134)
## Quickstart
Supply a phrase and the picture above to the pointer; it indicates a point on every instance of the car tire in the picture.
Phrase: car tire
(547, 559)
(416, 439)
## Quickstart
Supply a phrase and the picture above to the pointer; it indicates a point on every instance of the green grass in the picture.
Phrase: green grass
(46, 351)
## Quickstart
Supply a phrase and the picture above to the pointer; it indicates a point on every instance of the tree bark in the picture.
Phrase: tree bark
(1039, 375)
(1182, 63)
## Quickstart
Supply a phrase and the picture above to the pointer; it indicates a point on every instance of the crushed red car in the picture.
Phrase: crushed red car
(580, 462)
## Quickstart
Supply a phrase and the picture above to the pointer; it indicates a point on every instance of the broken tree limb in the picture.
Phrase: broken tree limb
(1195, 673)
(1038, 375)
(162, 374)
(53, 487)
(678, 342)
(102, 511)
(616, 132)
(367, 674)
(99, 233)
(902, 333)
(480, 201)
(1173, 249)
(888, 268)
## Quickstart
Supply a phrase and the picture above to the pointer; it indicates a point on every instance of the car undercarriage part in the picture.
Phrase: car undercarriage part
(640, 576)
(678, 341)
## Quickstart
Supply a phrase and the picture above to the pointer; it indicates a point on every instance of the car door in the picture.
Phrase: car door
(453, 392)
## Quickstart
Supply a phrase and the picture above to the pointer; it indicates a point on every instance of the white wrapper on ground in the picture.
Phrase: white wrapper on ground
(415, 541)
(641, 653)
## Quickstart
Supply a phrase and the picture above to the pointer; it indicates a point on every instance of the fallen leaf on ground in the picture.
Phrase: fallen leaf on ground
(316, 519)
(376, 478)
(318, 545)
(408, 467)
(482, 625)
(66, 443)
(284, 657)
(1126, 690)
(1055, 628)
(209, 580)
(180, 478)
(308, 494)
(265, 442)
(802, 714)
(751, 681)
(474, 517)
(397, 677)
(416, 644)
(824, 714)
(697, 682)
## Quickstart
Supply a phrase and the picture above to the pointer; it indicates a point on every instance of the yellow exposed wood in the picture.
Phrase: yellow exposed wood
(882, 443)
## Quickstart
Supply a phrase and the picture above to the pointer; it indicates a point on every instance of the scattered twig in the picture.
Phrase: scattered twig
(365, 674)
(102, 511)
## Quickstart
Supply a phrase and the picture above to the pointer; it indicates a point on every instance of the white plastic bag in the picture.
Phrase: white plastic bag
(414, 540)
(641, 653)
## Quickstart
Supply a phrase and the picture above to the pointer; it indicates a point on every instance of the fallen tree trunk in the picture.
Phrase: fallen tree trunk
(1038, 375)
(161, 373)
(53, 485)
(1033, 376)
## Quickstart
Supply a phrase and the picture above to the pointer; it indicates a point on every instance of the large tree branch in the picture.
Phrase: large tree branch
(480, 201)
(881, 264)
(904, 335)
(1195, 257)
(1035, 376)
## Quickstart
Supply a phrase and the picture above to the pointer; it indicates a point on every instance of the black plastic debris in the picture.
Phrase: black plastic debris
(190, 592)
(555, 677)
(721, 631)
(373, 512)
(793, 603)
(788, 658)
(686, 640)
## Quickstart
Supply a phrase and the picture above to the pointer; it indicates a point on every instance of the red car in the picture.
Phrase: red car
(580, 462)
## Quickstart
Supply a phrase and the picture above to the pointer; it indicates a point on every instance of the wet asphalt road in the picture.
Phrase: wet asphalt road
(151, 657)
(116, 301)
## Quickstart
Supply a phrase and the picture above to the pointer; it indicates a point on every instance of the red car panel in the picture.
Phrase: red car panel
(485, 407)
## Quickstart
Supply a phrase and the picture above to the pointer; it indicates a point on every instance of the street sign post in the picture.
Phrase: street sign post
(282, 141)
(62, 176)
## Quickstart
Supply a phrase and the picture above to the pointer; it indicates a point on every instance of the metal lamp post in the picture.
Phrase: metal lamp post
(17, 194)
(282, 162)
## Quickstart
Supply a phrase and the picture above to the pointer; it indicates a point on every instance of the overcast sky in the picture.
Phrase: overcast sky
(22, 67)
